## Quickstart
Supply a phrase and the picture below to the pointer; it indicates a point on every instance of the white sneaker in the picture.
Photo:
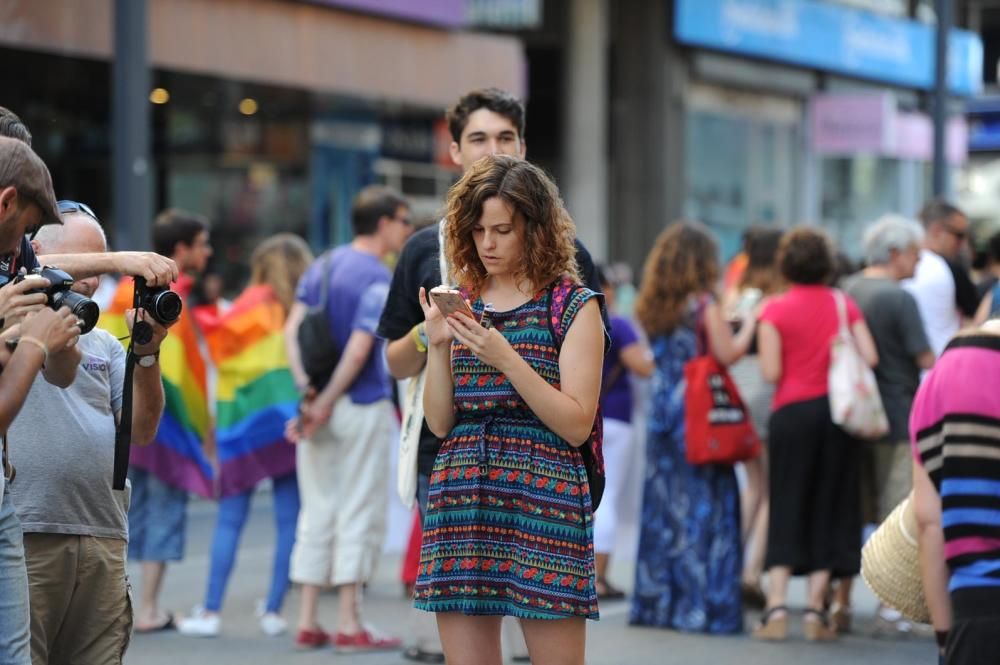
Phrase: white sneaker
(272, 625)
(200, 624)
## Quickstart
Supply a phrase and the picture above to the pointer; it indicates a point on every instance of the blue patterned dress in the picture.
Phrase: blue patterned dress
(509, 525)
(690, 557)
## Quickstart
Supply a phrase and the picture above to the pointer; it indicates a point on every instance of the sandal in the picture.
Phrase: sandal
(166, 624)
(818, 629)
(418, 655)
(841, 617)
(609, 592)
(771, 628)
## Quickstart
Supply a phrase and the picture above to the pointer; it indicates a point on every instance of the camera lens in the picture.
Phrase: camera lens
(83, 308)
(166, 307)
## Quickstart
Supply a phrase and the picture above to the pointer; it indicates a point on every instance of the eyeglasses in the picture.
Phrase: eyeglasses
(405, 219)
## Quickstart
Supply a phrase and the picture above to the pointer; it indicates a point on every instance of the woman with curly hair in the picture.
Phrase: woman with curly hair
(509, 520)
(690, 557)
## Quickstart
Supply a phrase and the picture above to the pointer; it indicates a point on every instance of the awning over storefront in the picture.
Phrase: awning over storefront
(289, 44)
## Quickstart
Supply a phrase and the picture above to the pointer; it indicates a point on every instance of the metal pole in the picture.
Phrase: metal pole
(130, 119)
(944, 10)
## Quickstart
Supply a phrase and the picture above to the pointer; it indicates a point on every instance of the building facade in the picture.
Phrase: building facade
(775, 112)
(267, 115)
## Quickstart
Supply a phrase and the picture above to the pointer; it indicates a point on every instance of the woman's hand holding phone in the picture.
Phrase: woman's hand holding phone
(437, 329)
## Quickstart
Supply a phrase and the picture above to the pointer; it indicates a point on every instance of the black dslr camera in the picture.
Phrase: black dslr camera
(59, 294)
(159, 302)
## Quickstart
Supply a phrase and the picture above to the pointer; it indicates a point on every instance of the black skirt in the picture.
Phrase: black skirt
(815, 521)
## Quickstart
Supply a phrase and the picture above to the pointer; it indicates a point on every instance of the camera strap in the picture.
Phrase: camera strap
(123, 435)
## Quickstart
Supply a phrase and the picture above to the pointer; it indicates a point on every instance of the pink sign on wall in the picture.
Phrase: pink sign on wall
(851, 124)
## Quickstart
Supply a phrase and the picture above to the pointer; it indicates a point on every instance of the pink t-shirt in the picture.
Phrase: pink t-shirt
(806, 319)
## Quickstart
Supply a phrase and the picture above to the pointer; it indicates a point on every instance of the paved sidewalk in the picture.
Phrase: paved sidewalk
(610, 641)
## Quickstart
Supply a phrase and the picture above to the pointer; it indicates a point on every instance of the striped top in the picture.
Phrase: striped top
(955, 426)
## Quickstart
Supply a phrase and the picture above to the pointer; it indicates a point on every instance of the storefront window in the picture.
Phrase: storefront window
(855, 192)
(741, 170)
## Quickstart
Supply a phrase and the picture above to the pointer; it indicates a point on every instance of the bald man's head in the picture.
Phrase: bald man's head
(79, 234)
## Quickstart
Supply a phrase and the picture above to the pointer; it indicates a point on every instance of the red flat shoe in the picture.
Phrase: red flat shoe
(312, 639)
(364, 641)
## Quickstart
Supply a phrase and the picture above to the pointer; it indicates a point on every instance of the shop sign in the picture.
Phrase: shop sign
(843, 125)
(440, 13)
(409, 140)
(505, 14)
(831, 37)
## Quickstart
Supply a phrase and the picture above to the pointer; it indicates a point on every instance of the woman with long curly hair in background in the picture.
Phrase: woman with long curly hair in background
(690, 556)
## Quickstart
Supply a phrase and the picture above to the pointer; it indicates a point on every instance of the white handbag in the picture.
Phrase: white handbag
(855, 403)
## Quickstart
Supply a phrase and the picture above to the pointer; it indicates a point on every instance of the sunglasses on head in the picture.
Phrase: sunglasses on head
(66, 207)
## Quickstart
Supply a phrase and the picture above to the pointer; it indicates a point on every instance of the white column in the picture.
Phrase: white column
(584, 184)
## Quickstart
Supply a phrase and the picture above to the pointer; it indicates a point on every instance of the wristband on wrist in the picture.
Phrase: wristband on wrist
(419, 335)
(941, 636)
(37, 342)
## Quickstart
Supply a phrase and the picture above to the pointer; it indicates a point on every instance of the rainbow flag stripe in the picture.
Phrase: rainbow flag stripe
(255, 392)
(176, 455)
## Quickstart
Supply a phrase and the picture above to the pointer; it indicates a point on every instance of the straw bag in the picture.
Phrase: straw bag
(890, 564)
(855, 403)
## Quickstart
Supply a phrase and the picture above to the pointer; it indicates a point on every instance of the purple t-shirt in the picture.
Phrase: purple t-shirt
(359, 284)
(616, 398)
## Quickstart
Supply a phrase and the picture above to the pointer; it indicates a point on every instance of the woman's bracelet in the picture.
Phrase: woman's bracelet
(419, 335)
(37, 342)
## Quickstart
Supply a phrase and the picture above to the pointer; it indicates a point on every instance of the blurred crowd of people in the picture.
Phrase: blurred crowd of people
(520, 413)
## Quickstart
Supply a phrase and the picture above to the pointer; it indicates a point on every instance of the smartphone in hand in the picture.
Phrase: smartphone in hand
(450, 301)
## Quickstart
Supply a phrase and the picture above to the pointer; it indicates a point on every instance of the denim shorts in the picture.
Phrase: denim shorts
(157, 519)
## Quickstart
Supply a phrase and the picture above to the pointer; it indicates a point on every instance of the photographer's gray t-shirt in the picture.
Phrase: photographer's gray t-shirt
(63, 446)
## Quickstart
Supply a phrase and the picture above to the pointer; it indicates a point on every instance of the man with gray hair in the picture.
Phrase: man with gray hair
(892, 251)
(75, 526)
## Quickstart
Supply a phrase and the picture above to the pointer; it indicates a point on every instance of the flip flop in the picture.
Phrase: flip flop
(166, 625)
(419, 655)
(610, 592)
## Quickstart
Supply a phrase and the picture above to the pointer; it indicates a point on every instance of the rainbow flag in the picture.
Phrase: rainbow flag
(176, 455)
(255, 391)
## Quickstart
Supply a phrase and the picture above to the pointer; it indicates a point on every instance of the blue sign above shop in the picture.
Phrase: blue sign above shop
(829, 37)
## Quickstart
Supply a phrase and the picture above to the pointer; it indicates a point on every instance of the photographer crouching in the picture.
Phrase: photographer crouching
(75, 526)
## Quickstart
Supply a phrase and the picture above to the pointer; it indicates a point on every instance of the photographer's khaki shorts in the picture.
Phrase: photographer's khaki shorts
(81, 612)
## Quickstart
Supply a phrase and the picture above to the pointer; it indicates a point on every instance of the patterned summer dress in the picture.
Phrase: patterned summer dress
(687, 576)
(509, 525)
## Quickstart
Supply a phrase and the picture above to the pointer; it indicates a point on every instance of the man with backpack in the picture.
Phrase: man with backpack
(345, 423)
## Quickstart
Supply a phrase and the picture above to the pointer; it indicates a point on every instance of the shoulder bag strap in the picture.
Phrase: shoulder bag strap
(838, 297)
(324, 287)
(443, 256)
(704, 347)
